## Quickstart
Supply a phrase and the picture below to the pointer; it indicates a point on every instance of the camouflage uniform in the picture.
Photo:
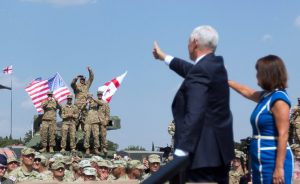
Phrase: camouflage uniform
(295, 120)
(49, 122)
(81, 92)
(92, 122)
(69, 115)
(235, 176)
(19, 175)
(104, 115)
(171, 131)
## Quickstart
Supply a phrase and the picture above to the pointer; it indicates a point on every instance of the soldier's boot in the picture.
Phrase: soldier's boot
(87, 151)
(43, 150)
(96, 151)
(62, 150)
(51, 149)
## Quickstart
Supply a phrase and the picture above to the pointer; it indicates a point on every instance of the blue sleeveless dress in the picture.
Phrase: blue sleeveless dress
(263, 146)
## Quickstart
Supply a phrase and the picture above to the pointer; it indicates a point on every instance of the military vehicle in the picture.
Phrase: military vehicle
(113, 124)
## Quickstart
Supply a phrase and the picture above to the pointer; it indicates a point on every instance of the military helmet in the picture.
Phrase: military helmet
(50, 93)
(69, 96)
(99, 92)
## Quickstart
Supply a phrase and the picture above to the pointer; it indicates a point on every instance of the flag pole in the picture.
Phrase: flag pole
(11, 107)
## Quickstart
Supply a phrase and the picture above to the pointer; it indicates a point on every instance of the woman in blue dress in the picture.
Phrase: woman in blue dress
(271, 156)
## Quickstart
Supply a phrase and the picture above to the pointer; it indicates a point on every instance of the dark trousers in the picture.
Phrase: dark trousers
(209, 174)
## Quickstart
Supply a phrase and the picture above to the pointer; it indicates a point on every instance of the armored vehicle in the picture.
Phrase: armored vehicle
(113, 124)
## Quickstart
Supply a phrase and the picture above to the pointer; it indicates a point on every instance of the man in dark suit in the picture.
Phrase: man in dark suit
(201, 109)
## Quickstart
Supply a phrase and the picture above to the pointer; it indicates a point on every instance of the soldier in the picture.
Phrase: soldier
(135, 170)
(89, 174)
(104, 170)
(104, 115)
(58, 171)
(154, 162)
(92, 122)
(25, 172)
(295, 118)
(12, 164)
(49, 122)
(3, 167)
(81, 91)
(171, 131)
(40, 164)
(69, 115)
(119, 169)
(237, 170)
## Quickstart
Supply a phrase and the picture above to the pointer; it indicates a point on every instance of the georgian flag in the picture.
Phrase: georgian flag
(110, 87)
(8, 70)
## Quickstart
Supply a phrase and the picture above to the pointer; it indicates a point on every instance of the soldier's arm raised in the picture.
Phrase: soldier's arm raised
(91, 77)
(73, 83)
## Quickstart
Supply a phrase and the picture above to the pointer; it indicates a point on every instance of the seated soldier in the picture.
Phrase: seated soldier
(104, 170)
(135, 169)
(89, 174)
(12, 164)
(3, 166)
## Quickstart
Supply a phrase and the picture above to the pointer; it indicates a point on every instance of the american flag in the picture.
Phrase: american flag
(7, 70)
(38, 89)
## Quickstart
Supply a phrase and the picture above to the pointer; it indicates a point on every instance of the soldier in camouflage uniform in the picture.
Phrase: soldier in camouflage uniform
(92, 123)
(49, 122)
(25, 172)
(236, 172)
(69, 115)
(171, 131)
(104, 170)
(104, 115)
(81, 91)
(295, 118)
(58, 172)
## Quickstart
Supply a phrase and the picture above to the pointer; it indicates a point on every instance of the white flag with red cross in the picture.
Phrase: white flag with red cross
(8, 70)
(110, 87)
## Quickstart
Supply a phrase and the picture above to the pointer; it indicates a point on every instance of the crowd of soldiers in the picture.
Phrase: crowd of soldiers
(35, 166)
(88, 113)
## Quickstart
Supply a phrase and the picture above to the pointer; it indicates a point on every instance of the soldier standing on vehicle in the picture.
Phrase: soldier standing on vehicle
(295, 118)
(104, 115)
(81, 91)
(92, 122)
(69, 115)
(50, 105)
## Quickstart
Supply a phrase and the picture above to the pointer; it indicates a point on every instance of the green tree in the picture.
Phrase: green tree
(134, 148)
(112, 146)
(8, 142)
(27, 136)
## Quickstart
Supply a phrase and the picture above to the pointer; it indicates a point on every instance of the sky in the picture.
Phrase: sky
(42, 37)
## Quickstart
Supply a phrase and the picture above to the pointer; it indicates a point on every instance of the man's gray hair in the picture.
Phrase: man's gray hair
(206, 37)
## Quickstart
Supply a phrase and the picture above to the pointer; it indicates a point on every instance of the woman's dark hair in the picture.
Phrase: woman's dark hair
(271, 73)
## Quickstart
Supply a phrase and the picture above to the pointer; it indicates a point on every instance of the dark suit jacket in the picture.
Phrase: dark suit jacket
(203, 120)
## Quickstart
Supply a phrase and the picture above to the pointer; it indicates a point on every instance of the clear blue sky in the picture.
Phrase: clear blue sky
(42, 37)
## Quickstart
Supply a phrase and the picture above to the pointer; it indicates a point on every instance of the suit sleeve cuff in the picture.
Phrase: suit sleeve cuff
(168, 59)
(180, 153)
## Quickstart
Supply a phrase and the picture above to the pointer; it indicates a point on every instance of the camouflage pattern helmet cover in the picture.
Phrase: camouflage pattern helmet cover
(90, 171)
(28, 151)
